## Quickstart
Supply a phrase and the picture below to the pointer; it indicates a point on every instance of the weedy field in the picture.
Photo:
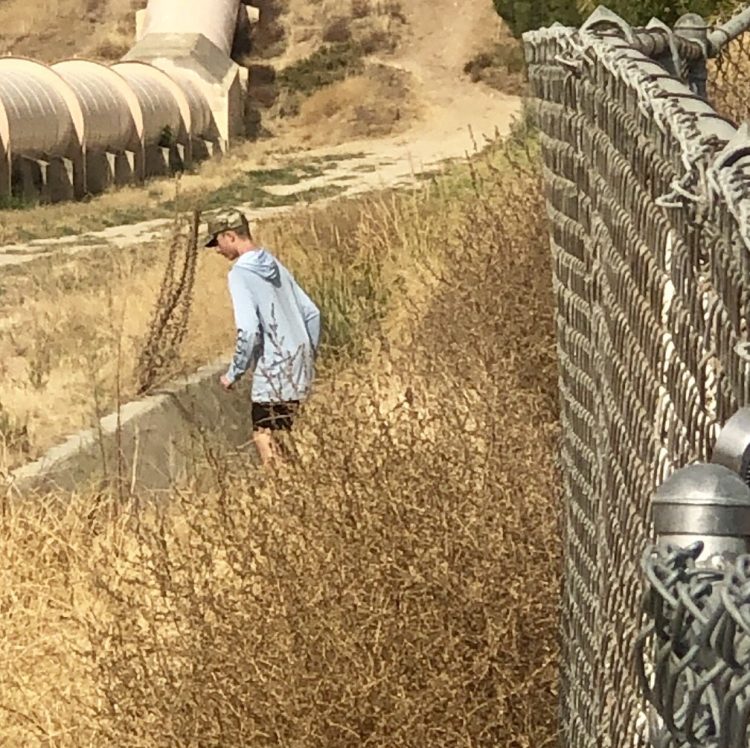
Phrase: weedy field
(398, 583)
(74, 326)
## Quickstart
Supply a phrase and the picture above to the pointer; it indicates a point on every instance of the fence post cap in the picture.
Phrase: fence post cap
(702, 483)
(702, 499)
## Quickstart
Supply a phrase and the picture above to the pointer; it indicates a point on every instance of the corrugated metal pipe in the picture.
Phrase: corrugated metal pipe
(77, 127)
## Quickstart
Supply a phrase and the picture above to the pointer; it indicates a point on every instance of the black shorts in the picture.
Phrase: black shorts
(274, 416)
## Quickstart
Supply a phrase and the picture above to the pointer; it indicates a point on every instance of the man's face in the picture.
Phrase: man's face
(226, 245)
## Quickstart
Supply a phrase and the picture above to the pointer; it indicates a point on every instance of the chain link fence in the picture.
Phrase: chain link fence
(648, 198)
(729, 79)
(694, 654)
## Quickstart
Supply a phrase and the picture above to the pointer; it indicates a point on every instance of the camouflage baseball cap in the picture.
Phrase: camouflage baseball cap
(225, 220)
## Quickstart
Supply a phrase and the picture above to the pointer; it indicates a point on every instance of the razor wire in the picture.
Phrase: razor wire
(648, 199)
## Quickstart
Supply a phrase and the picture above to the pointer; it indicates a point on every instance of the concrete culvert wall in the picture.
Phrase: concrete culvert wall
(153, 443)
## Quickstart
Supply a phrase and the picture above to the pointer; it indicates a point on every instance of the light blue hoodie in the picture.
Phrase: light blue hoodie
(278, 329)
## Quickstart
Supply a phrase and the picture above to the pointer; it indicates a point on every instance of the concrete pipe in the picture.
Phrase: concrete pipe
(167, 118)
(201, 118)
(214, 19)
(111, 111)
(113, 123)
(46, 126)
(163, 103)
(44, 114)
(177, 96)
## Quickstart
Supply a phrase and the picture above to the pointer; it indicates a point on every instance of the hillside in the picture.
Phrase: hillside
(52, 30)
(411, 70)
(363, 68)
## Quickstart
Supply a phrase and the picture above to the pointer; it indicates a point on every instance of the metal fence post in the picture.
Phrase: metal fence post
(649, 233)
(693, 27)
(695, 668)
(732, 448)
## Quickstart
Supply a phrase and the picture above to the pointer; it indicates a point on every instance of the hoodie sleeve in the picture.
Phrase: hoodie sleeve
(249, 334)
(310, 313)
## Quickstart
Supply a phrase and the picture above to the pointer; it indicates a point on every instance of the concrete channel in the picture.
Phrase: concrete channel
(152, 444)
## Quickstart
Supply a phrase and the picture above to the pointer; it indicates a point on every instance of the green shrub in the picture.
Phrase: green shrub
(329, 64)
(525, 15)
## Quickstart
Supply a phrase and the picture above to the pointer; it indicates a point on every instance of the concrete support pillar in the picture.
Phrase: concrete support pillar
(111, 166)
(228, 107)
(123, 168)
(6, 174)
(33, 178)
(78, 180)
(156, 161)
(140, 23)
(97, 172)
(165, 152)
(136, 161)
(61, 179)
(182, 155)
(107, 168)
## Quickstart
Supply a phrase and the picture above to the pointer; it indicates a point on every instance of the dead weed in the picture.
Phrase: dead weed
(377, 103)
(397, 585)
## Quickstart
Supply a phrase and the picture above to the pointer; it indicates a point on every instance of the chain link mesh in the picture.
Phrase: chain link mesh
(729, 79)
(693, 658)
(649, 233)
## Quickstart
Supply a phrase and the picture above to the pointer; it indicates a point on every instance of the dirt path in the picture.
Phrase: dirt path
(445, 34)
(457, 117)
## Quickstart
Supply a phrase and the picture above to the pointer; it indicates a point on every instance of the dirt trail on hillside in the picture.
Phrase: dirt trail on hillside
(456, 118)
(446, 34)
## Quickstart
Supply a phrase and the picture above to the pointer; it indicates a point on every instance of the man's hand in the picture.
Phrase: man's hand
(225, 383)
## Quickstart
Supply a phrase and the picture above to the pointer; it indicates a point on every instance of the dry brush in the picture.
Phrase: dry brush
(396, 585)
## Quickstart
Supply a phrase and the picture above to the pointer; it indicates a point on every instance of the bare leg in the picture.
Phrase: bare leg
(269, 451)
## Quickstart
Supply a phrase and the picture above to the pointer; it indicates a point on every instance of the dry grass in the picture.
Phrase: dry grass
(51, 30)
(70, 331)
(380, 102)
(23, 17)
(113, 44)
(373, 25)
(503, 67)
(74, 328)
(327, 60)
(397, 585)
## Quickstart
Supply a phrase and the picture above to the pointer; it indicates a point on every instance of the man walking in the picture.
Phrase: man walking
(278, 331)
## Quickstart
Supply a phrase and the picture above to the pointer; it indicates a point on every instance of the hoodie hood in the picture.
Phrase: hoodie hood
(262, 263)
